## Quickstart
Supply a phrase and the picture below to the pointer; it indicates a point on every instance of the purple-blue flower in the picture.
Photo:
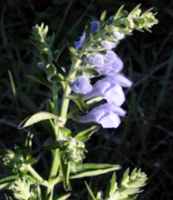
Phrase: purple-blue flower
(113, 93)
(81, 85)
(106, 64)
(79, 43)
(95, 26)
(119, 79)
(108, 115)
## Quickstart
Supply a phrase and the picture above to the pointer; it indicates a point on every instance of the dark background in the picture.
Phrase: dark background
(145, 138)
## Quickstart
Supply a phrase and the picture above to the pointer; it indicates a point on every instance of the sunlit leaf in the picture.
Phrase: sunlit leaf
(38, 117)
(63, 197)
(83, 136)
(91, 169)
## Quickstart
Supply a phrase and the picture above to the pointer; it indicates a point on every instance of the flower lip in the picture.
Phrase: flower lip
(113, 93)
(81, 85)
(107, 115)
(106, 64)
(119, 79)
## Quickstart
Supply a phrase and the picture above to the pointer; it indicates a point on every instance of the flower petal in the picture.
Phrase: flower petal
(110, 121)
(120, 79)
(115, 95)
(82, 85)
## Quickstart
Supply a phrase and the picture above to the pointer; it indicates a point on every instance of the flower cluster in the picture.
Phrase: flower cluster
(95, 49)
(109, 66)
(74, 151)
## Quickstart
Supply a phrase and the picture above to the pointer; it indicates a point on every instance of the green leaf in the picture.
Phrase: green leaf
(103, 15)
(79, 102)
(125, 178)
(4, 182)
(38, 117)
(64, 197)
(94, 100)
(4, 185)
(85, 135)
(90, 192)
(65, 131)
(91, 169)
(119, 12)
(113, 185)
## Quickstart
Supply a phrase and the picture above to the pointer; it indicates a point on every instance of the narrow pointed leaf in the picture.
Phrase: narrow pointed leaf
(4, 182)
(64, 197)
(112, 186)
(8, 179)
(90, 169)
(83, 136)
(40, 116)
(4, 185)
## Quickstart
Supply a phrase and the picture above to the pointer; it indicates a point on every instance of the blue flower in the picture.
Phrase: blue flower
(108, 115)
(79, 43)
(95, 26)
(106, 64)
(119, 79)
(111, 92)
(81, 85)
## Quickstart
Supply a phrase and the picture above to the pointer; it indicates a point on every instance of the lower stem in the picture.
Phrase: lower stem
(55, 164)
(63, 115)
(53, 173)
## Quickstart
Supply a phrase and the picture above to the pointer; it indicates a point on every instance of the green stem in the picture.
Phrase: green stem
(55, 164)
(63, 115)
(32, 171)
(67, 92)
(65, 103)
(53, 172)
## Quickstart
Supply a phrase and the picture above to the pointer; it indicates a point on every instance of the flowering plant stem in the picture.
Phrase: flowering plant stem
(67, 91)
(63, 115)
(94, 79)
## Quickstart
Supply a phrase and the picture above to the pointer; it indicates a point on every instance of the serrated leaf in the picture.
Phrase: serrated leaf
(90, 169)
(38, 117)
(83, 136)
